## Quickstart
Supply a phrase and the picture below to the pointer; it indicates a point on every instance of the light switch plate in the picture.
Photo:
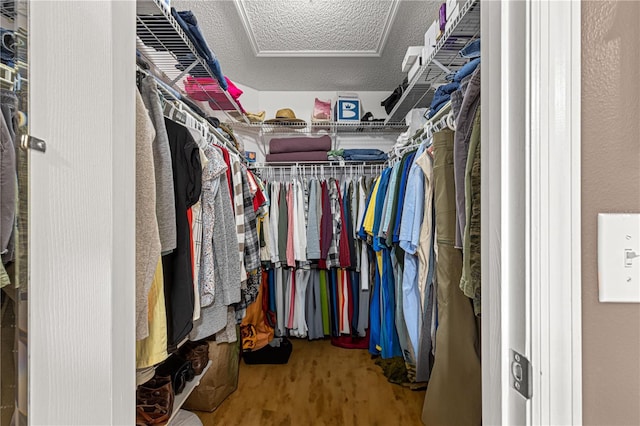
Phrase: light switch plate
(619, 257)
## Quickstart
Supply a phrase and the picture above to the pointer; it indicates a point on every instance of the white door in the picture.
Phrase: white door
(531, 212)
(82, 221)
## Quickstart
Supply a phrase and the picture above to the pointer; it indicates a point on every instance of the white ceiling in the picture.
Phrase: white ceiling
(313, 45)
(328, 27)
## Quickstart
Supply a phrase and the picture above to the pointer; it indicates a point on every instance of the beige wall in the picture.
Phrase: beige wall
(610, 183)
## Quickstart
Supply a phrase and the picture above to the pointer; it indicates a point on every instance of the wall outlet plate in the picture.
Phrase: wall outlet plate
(619, 257)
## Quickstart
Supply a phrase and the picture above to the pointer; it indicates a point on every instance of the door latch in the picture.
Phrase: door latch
(520, 374)
(31, 142)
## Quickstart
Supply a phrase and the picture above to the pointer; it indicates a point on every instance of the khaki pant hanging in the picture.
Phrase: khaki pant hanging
(454, 393)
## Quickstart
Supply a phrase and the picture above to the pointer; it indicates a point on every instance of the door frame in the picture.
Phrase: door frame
(551, 223)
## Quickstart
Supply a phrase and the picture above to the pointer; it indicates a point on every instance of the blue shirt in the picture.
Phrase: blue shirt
(403, 188)
(410, 224)
(378, 243)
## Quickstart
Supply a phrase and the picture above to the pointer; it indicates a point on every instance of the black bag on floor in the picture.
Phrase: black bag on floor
(277, 351)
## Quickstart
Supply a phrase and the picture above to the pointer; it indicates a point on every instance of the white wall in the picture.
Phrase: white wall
(82, 221)
(250, 98)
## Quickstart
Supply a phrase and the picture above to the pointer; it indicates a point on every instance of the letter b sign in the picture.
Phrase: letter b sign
(348, 110)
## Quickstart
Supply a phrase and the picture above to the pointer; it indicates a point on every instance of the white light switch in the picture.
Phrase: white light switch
(619, 257)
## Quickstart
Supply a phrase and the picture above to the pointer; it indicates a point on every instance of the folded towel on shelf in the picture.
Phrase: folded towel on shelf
(299, 144)
(364, 155)
(297, 156)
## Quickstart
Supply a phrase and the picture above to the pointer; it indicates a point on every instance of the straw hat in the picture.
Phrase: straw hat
(286, 116)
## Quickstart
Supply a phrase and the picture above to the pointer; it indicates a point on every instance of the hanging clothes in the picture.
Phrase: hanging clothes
(177, 265)
(454, 392)
(8, 176)
(426, 258)
(409, 236)
(152, 349)
(226, 266)
(165, 202)
(464, 127)
(471, 270)
(147, 236)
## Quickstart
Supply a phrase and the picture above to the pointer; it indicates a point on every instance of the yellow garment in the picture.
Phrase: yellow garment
(371, 209)
(153, 349)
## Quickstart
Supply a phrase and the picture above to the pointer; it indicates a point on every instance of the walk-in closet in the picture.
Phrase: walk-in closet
(314, 236)
(323, 212)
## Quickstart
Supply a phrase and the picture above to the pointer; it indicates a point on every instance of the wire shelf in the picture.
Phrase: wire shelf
(331, 127)
(421, 88)
(169, 49)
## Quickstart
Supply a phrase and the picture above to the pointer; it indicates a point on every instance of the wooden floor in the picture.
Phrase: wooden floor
(321, 385)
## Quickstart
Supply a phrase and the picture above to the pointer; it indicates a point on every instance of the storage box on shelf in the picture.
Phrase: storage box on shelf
(165, 44)
(444, 59)
(410, 57)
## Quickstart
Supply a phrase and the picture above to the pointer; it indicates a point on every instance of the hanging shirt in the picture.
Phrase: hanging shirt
(364, 255)
(409, 237)
(238, 203)
(226, 268)
(333, 259)
(210, 186)
(378, 244)
(326, 224)
(344, 256)
(291, 258)
(394, 201)
(177, 266)
(283, 224)
(299, 230)
(274, 217)
(389, 202)
(369, 216)
(165, 203)
(401, 195)
(313, 222)
(148, 245)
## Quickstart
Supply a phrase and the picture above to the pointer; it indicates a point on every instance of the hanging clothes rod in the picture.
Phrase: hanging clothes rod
(337, 164)
(317, 168)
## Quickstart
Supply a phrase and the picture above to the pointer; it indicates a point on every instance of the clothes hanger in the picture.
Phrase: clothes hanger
(451, 122)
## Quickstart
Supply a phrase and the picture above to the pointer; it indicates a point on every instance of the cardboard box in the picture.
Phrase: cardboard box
(413, 52)
(414, 68)
(347, 110)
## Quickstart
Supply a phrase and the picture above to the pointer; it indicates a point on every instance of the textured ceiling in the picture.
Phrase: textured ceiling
(223, 27)
(317, 28)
